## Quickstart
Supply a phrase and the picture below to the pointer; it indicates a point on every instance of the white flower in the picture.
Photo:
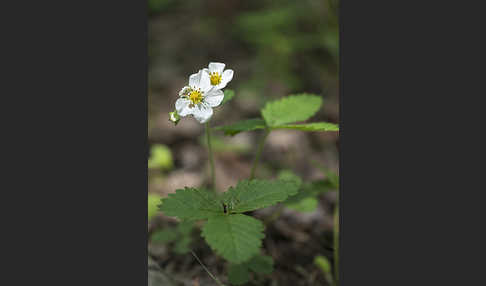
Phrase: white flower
(198, 98)
(218, 78)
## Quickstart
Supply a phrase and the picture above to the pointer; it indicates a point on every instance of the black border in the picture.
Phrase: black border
(77, 76)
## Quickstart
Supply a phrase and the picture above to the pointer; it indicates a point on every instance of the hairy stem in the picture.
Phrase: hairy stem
(259, 152)
(209, 272)
(210, 153)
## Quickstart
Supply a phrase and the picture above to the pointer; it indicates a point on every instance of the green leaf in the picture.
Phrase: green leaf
(192, 204)
(235, 237)
(261, 264)
(308, 204)
(309, 190)
(316, 126)
(240, 126)
(256, 194)
(153, 202)
(333, 179)
(228, 95)
(238, 274)
(182, 245)
(160, 157)
(323, 263)
(288, 175)
(185, 227)
(290, 109)
(164, 236)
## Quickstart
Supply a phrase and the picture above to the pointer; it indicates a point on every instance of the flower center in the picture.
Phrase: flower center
(195, 96)
(215, 78)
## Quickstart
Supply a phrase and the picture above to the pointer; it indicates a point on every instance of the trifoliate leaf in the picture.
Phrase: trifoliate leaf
(240, 126)
(290, 109)
(228, 95)
(160, 157)
(238, 274)
(316, 126)
(191, 204)
(235, 237)
(256, 194)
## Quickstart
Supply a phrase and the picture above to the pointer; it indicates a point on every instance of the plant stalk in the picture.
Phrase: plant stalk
(259, 152)
(210, 154)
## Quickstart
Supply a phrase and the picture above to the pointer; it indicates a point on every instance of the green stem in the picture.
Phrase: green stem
(259, 152)
(336, 242)
(210, 153)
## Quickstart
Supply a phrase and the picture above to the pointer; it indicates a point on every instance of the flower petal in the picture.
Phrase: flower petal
(225, 78)
(214, 97)
(194, 80)
(202, 113)
(182, 106)
(205, 81)
(216, 67)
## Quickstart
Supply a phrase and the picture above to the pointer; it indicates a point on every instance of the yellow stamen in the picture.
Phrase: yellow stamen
(196, 96)
(215, 78)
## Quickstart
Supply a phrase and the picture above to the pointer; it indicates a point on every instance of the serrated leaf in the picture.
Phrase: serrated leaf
(228, 95)
(191, 204)
(238, 274)
(291, 109)
(261, 264)
(235, 237)
(256, 194)
(240, 126)
(316, 126)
